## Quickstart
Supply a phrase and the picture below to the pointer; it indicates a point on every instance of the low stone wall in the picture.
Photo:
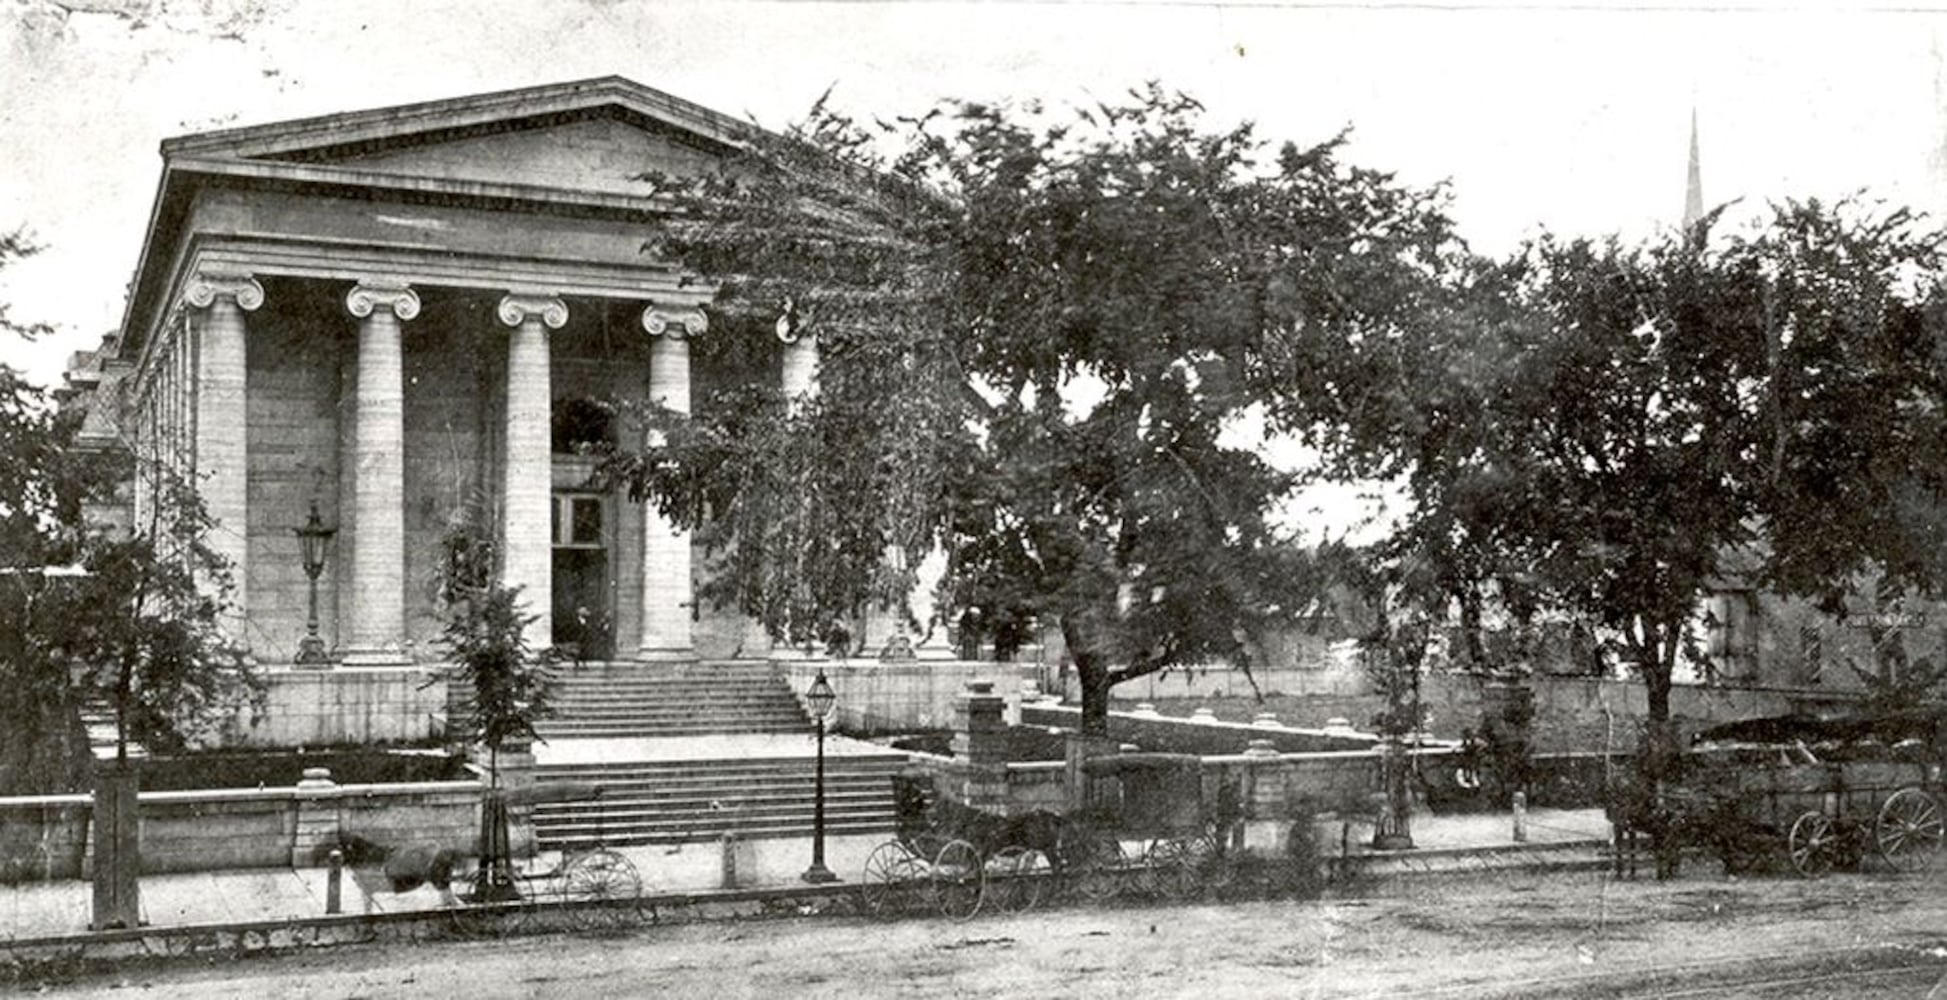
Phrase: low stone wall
(344, 705)
(1153, 731)
(49, 837)
(43, 837)
(892, 696)
(1572, 714)
(1314, 676)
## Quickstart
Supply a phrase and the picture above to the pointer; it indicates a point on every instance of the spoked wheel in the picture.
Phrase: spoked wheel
(1017, 877)
(490, 903)
(959, 879)
(1168, 870)
(601, 889)
(1092, 861)
(1813, 844)
(891, 880)
(1210, 855)
(1908, 830)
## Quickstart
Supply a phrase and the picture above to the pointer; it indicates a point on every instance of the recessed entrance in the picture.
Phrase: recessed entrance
(583, 625)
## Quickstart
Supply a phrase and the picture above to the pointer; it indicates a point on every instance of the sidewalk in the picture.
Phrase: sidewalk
(55, 909)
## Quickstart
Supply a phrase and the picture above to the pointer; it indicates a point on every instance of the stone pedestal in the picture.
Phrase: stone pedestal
(980, 745)
(117, 850)
(317, 818)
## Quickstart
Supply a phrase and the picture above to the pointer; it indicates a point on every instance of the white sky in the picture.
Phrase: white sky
(1576, 120)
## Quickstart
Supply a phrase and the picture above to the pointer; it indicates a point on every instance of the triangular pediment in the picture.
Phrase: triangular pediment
(598, 154)
(594, 136)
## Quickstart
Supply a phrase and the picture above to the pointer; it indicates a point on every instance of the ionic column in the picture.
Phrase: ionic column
(798, 379)
(220, 468)
(526, 480)
(375, 631)
(667, 595)
(798, 383)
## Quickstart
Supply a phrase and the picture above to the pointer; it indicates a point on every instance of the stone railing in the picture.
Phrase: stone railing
(50, 836)
(1263, 789)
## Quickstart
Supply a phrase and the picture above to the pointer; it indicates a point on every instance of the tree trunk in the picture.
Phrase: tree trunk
(1092, 675)
(1095, 681)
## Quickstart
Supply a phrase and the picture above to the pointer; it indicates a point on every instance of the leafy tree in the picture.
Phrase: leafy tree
(1612, 430)
(143, 629)
(132, 621)
(1040, 333)
(504, 682)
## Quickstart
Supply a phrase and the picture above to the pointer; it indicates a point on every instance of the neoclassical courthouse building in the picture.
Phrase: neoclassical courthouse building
(399, 314)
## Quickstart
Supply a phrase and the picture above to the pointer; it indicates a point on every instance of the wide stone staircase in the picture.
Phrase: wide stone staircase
(671, 802)
(708, 785)
(623, 700)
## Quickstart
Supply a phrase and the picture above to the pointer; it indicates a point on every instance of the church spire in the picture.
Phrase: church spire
(1693, 189)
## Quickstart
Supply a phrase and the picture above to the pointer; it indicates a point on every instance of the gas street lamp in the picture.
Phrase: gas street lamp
(821, 699)
(313, 539)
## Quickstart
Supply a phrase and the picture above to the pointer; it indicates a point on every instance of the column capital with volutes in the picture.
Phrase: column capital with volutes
(518, 307)
(395, 296)
(676, 322)
(791, 325)
(205, 288)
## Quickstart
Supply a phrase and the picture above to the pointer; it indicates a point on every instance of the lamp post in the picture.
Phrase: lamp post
(312, 540)
(820, 699)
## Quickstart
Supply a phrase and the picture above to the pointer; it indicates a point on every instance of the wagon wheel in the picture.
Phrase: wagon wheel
(601, 889)
(891, 877)
(1093, 859)
(1209, 852)
(1018, 876)
(490, 903)
(1169, 869)
(958, 880)
(1812, 843)
(1908, 831)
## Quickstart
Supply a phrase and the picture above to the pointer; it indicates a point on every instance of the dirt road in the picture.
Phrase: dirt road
(1563, 935)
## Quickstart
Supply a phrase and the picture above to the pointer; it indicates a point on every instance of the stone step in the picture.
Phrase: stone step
(695, 834)
(682, 714)
(887, 762)
(622, 732)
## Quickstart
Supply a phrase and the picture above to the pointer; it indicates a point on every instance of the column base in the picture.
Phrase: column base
(665, 655)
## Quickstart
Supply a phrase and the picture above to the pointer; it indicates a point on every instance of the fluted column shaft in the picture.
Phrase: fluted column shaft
(667, 585)
(376, 630)
(526, 491)
(221, 464)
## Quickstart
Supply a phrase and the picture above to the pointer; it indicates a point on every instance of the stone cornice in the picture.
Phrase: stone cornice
(204, 288)
(369, 295)
(675, 322)
(517, 308)
(419, 266)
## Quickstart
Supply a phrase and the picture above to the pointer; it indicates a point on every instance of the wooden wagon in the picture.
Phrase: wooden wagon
(1829, 792)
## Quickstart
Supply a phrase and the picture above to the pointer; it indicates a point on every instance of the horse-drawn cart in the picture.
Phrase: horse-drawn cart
(595, 886)
(1147, 815)
(1828, 793)
(956, 858)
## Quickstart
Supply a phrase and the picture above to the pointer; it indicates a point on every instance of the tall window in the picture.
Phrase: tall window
(577, 521)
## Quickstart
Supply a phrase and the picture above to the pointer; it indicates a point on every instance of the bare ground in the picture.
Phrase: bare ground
(1519, 935)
